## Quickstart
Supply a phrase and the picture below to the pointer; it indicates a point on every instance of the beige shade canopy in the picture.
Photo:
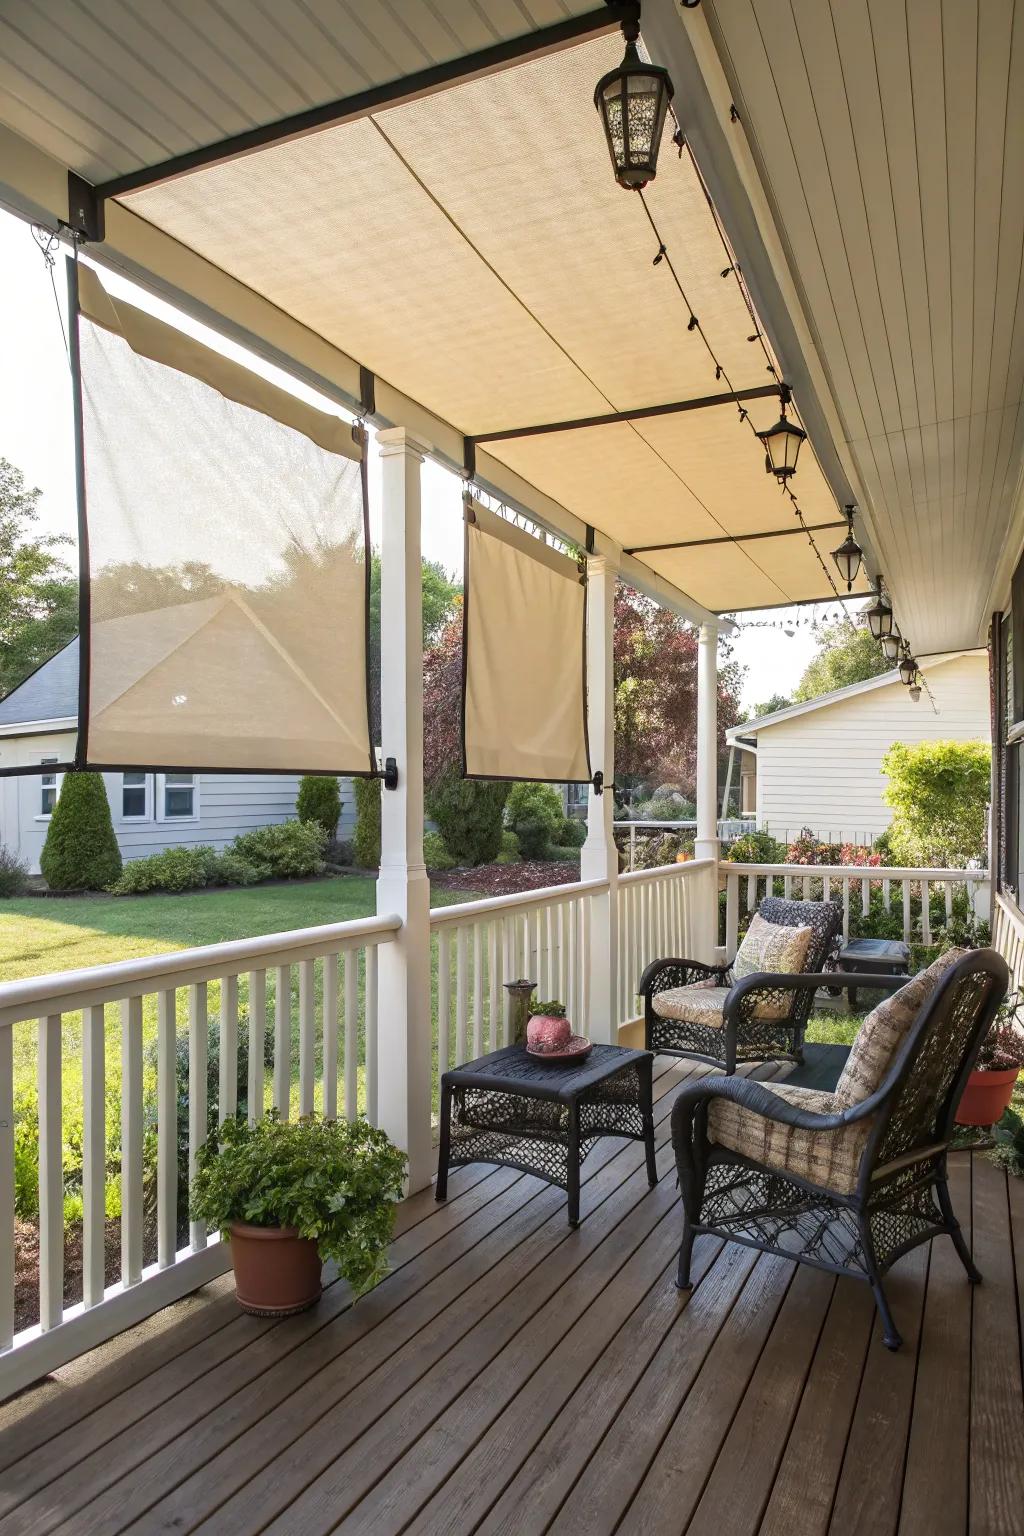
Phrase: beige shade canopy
(524, 695)
(227, 555)
(472, 249)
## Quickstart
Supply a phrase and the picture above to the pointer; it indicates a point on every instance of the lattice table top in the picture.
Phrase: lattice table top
(512, 1070)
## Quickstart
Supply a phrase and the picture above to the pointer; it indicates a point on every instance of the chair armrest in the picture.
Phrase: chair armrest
(694, 970)
(757, 1097)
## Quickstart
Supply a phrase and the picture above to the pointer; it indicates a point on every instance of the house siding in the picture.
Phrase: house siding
(228, 805)
(823, 769)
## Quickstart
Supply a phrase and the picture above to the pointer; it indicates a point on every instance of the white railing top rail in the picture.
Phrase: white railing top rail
(66, 991)
(663, 871)
(468, 911)
(855, 872)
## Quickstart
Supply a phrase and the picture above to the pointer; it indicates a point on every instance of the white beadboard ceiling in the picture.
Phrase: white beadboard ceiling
(889, 136)
(109, 86)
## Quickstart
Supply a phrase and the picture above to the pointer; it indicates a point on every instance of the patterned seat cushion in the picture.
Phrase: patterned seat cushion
(884, 1031)
(772, 947)
(695, 1004)
(828, 1158)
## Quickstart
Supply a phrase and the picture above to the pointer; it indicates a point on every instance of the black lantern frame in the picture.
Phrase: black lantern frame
(908, 667)
(782, 444)
(891, 645)
(879, 615)
(633, 103)
(849, 556)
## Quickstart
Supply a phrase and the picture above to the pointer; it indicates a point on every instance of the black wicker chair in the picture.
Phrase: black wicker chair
(874, 1183)
(730, 1027)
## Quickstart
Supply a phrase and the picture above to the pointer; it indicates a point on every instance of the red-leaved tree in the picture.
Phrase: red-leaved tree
(656, 694)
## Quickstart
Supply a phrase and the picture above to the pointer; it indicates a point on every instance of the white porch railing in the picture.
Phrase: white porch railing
(1008, 936)
(663, 912)
(543, 935)
(746, 884)
(161, 999)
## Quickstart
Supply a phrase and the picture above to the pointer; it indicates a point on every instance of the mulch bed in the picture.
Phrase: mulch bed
(506, 879)
(26, 1264)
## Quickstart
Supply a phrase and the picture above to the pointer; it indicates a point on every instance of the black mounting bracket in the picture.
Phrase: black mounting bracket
(469, 458)
(389, 773)
(598, 783)
(367, 391)
(85, 210)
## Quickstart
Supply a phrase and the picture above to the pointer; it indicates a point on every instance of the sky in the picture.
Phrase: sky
(36, 435)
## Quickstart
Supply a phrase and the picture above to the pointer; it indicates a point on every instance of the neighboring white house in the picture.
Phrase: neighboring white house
(150, 811)
(819, 764)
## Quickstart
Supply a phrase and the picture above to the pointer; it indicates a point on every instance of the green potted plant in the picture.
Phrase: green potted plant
(990, 1086)
(290, 1194)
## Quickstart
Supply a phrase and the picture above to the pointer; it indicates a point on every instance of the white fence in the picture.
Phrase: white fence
(542, 935)
(162, 1001)
(1008, 936)
(670, 911)
(746, 884)
(735, 826)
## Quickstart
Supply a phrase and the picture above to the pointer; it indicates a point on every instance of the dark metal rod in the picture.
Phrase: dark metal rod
(423, 82)
(642, 413)
(734, 538)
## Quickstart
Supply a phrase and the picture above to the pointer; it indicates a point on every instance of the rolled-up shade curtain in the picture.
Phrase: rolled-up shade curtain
(524, 692)
(226, 591)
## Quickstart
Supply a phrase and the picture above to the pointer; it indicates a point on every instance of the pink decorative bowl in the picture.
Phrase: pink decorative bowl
(546, 1033)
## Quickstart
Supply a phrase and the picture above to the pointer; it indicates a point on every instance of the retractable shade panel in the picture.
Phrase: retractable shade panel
(225, 608)
(471, 248)
(524, 691)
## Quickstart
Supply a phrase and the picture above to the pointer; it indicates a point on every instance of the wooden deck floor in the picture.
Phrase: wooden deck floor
(513, 1376)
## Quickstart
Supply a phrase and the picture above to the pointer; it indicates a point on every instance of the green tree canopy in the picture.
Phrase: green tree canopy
(769, 706)
(846, 654)
(939, 792)
(38, 593)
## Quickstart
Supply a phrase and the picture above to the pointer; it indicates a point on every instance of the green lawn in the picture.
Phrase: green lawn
(39, 936)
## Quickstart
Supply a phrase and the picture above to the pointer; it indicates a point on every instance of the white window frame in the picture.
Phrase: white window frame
(161, 801)
(147, 787)
(58, 779)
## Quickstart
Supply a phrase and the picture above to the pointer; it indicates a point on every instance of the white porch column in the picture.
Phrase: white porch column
(403, 988)
(706, 842)
(599, 859)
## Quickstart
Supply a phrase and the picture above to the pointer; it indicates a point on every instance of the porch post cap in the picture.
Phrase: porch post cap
(391, 440)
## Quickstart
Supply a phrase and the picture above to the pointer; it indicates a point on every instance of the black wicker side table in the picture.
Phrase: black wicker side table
(544, 1116)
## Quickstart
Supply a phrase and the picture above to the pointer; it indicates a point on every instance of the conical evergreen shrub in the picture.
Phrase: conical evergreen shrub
(81, 852)
(319, 800)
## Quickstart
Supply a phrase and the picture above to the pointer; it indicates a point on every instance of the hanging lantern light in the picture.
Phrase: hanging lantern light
(879, 614)
(915, 692)
(849, 555)
(782, 445)
(633, 102)
(891, 645)
(908, 667)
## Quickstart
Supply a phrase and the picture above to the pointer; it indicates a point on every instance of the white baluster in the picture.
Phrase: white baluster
(444, 1001)
(198, 1044)
(461, 995)
(370, 1031)
(846, 908)
(732, 915)
(166, 1128)
(94, 1154)
(351, 1034)
(478, 989)
(906, 911)
(227, 1101)
(51, 1175)
(926, 916)
(494, 985)
(131, 1140)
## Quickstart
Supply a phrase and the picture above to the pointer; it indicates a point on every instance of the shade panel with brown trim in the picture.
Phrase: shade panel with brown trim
(524, 689)
(227, 587)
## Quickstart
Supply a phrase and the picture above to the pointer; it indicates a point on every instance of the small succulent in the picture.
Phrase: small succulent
(551, 1010)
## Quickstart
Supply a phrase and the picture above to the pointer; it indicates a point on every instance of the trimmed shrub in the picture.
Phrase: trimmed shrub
(13, 873)
(756, 848)
(667, 808)
(939, 792)
(509, 848)
(81, 852)
(534, 813)
(176, 869)
(367, 838)
(435, 853)
(231, 868)
(468, 813)
(288, 850)
(556, 853)
(319, 800)
(573, 833)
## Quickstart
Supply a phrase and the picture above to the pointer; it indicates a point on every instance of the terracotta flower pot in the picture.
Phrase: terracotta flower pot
(276, 1271)
(986, 1096)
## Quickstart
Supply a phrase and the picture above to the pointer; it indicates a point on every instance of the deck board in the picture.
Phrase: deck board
(512, 1376)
